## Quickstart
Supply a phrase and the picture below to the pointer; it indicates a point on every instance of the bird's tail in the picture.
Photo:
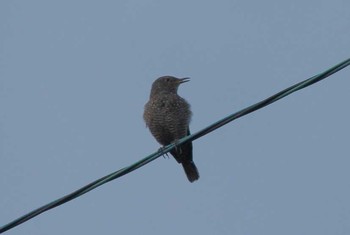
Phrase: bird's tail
(190, 170)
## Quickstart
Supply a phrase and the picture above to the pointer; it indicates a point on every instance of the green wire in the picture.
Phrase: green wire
(166, 149)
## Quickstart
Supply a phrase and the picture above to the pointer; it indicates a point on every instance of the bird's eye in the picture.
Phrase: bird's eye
(168, 79)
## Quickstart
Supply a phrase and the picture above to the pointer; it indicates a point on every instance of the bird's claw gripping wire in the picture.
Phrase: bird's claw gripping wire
(165, 155)
(177, 148)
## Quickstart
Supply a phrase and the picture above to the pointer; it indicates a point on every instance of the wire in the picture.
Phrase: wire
(167, 148)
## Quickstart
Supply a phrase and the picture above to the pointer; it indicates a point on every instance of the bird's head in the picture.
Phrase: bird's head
(167, 84)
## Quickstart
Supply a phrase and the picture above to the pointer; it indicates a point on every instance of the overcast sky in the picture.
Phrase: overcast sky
(74, 78)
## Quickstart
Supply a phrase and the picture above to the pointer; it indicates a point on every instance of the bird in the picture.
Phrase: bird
(168, 115)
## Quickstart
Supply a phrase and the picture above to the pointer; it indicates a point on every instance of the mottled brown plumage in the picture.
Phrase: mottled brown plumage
(168, 115)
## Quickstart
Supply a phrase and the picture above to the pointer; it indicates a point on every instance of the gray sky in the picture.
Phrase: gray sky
(75, 75)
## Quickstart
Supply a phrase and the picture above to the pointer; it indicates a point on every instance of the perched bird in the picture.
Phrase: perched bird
(167, 115)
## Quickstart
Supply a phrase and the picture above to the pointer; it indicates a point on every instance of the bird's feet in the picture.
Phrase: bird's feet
(161, 149)
(177, 148)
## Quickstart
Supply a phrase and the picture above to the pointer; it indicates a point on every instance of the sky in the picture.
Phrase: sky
(74, 78)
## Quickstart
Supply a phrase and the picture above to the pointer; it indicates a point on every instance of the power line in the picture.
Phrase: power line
(166, 149)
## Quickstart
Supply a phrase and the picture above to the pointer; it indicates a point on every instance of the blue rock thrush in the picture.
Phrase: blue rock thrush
(168, 115)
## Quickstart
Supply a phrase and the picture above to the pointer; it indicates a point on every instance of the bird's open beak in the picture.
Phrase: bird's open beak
(183, 80)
